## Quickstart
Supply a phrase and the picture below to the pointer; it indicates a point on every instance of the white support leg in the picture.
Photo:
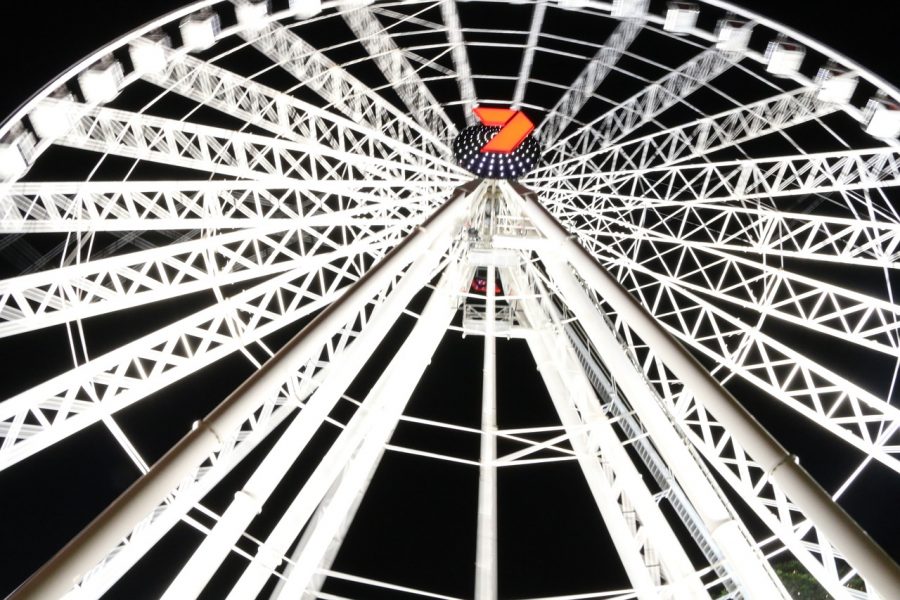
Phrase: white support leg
(873, 563)
(486, 541)
(56, 577)
(620, 530)
(390, 394)
(319, 577)
(250, 501)
(747, 563)
(651, 552)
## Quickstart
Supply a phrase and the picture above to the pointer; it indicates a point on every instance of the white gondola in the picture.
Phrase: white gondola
(784, 58)
(836, 85)
(148, 53)
(306, 9)
(52, 118)
(199, 30)
(100, 84)
(681, 17)
(733, 35)
(252, 13)
(15, 150)
(883, 118)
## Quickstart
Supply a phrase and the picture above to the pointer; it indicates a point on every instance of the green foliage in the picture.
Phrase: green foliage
(803, 586)
(798, 582)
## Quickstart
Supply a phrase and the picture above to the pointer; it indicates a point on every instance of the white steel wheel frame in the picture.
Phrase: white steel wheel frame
(745, 201)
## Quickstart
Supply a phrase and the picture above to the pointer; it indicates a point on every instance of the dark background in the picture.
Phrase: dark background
(40, 40)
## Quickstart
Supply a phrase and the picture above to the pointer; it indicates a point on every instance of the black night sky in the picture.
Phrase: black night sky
(56, 494)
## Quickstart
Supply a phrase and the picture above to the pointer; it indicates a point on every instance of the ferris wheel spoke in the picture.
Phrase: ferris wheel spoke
(758, 179)
(749, 231)
(88, 289)
(594, 73)
(221, 151)
(651, 101)
(834, 403)
(39, 300)
(142, 206)
(282, 114)
(743, 474)
(813, 304)
(397, 70)
(460, 57)
(537, 20)
(41, 416)
(347, 94)
(697, 138)
(851, 316)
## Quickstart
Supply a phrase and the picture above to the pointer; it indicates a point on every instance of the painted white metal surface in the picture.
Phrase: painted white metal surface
(486, 562)
(90, 546)
(317, 181)
(865, 555)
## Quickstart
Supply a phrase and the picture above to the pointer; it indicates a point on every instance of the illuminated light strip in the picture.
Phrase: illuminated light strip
(515, 127)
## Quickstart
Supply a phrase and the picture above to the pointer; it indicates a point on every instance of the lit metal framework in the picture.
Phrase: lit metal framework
(700, 281)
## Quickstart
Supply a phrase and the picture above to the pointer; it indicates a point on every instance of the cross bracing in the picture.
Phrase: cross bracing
(399, 72)
(348, 95)
(217, 150)
(750, 179)
(333, 209)
(651, 101)
(699, 137)
(733, 464)
(589, 80)
(282, 114)
(197, 205)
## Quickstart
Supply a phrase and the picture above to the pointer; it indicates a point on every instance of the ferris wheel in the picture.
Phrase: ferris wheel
(266, 263)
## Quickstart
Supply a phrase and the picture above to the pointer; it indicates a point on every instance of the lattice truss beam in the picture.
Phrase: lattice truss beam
(703, 244)
(40, 416)
(749, 230)
(399, 72)
(771, 291)
(642, 107)
(692, 315)
(594, 73)
(788, 524)
(691, 140)
(774, 178)
(341, 90)
(388, 137)
(63, 207)
(226, 152)
(85, 289)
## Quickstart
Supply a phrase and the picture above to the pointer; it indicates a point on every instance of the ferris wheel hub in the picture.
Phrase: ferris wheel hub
(469, 153)
(500, 147)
